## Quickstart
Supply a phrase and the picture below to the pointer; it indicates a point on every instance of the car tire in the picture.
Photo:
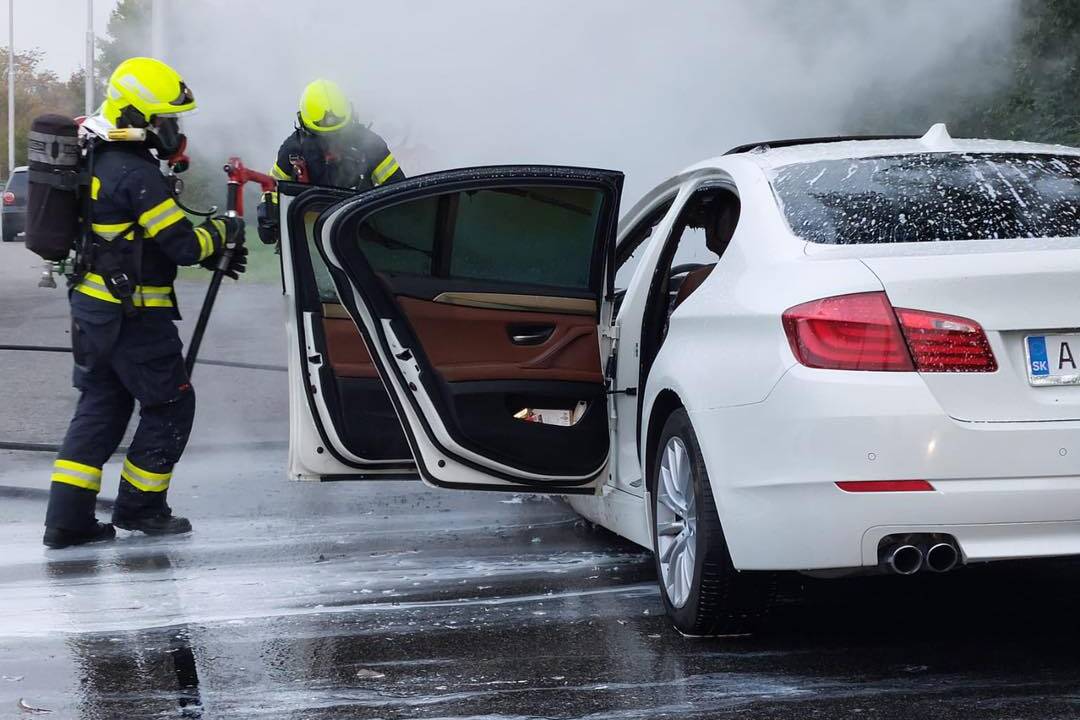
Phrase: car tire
(718, 599)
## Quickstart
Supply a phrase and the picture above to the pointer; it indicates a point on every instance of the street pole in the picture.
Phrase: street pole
(89, 87)
(157, 29)
(11, 88)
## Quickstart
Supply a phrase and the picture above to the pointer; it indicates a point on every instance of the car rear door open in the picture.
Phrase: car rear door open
(479, 293)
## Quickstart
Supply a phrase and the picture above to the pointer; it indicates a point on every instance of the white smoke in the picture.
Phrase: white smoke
(644, 87)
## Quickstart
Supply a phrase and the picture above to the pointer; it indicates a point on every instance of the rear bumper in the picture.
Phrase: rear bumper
(1004, 490)
(14, 222)
(992, 541)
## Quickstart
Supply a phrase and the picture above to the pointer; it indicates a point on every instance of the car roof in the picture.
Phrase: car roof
(792, 142)
(21, 168)
(776, 154)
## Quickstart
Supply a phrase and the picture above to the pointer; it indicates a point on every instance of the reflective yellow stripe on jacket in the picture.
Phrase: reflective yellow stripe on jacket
(83, 476)
(278, 174)
(111, 231)
(151, 296)
(206, 243)
(163, 215)
(384, 170)
(144, 479)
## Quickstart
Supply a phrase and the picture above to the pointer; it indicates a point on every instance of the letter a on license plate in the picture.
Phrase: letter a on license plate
(1053, 359)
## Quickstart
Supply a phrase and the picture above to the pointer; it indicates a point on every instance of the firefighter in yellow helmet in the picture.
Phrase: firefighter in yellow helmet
(123, 309)
(328, 147)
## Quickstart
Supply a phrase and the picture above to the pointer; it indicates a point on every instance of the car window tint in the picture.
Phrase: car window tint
(542, 236)
(931, 197)
(416, 226)
(400, 238)
(17, 182)
(323, 281)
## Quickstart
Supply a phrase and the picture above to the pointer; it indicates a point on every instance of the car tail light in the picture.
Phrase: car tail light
(946, 343)
(848, 332)
(9, 197)
(862, 331)
(864, 486)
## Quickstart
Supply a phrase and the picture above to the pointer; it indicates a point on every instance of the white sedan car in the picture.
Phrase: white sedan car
(827, 356)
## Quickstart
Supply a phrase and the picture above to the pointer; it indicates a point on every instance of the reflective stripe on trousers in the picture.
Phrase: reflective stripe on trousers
(144, 479)
(74, 473)
(160, 296)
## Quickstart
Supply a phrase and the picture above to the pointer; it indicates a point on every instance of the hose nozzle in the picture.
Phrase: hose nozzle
(47, 279)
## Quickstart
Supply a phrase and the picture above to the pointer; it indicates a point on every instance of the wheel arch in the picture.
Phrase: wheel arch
(667, 401)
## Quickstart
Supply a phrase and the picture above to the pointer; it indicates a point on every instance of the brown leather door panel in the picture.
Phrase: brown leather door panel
(347, 352)
(471, 343)
(468, 343)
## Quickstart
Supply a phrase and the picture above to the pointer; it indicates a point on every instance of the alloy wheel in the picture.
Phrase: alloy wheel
(676, 522)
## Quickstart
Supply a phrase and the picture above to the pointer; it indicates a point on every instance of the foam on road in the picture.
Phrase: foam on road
(390, 600)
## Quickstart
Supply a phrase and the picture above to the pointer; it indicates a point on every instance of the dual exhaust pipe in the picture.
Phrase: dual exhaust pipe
(910, 556)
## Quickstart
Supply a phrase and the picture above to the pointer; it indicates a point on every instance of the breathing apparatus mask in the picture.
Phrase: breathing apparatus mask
(161, 131)
(168, 142)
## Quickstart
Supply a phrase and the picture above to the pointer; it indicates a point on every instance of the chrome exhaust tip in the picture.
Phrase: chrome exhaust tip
(905, 560)
(942, 557)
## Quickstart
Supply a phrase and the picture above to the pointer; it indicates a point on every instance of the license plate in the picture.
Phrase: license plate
(1053, 359)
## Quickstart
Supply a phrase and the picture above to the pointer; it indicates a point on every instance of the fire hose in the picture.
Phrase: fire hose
(238, 176)
(53, 447)
(219, 363)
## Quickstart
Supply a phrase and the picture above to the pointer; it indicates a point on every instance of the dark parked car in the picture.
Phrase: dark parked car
(14, 212)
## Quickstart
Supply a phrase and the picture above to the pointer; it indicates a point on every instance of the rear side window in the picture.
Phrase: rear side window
(932, 197)
(401, 239)
(544, 236)
(17, 183)
(394, 242)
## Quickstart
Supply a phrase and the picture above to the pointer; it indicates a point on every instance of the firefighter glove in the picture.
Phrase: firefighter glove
(269, 218)
(225, 230)
(237, 262)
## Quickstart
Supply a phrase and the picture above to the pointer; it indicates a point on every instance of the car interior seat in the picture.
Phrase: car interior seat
(720, 222)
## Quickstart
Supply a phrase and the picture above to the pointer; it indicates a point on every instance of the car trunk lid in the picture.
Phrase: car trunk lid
(1013, 289)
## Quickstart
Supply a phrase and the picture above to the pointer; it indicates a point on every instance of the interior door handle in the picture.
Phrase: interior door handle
(533, 335)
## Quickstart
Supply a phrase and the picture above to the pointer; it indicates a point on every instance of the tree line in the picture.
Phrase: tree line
(39, 90)
(1037, 99)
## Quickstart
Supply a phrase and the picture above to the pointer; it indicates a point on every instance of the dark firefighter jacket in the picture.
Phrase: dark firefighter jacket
(354, 158)
(138, 229)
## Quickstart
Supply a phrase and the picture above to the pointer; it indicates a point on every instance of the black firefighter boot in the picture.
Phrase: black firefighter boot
(70, 518)
(146, 512)
(57, 538)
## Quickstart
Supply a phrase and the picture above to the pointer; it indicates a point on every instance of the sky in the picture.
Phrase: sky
(58, 27)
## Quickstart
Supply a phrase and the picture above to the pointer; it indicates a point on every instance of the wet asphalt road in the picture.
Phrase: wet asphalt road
(390, 600)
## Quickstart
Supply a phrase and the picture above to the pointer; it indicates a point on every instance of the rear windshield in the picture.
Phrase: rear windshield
(17, 182)
(933, 197)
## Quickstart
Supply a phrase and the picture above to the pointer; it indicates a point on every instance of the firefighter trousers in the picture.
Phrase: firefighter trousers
(120, 360)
